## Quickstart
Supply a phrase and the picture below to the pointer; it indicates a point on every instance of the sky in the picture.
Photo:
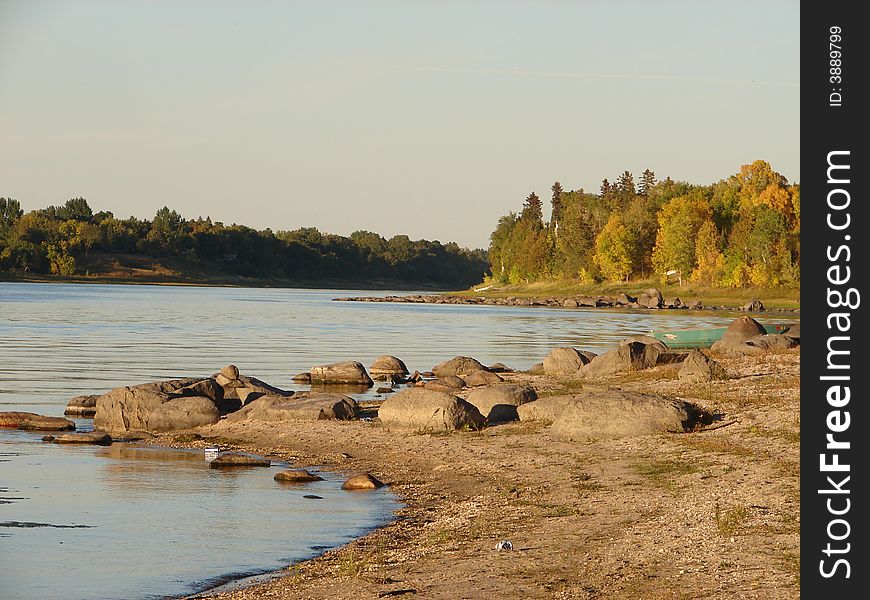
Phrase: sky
(430, 119)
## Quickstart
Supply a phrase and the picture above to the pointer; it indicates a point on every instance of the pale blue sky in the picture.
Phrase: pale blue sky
(425, 118)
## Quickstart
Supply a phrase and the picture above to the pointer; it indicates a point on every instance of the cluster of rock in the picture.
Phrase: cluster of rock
(648, 299)
(747, 336)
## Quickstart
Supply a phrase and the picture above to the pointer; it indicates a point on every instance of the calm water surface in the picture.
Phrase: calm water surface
(126, 522)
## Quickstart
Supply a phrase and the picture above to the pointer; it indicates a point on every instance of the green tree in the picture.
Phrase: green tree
(10, 212)
(647, 182)
(613, 250)
(533, 210)
(558, 207)
(167, 232)
(679, 223)
(709, 260)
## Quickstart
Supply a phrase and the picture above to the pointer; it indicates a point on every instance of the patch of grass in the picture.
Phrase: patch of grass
(583, 482)
(661, 374)
(716, 444)
(728, 520)
(791, 563)
(661, 472)
(791, 436)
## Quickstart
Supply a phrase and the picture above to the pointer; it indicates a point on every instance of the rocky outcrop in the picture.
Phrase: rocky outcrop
(766, 343)
(305, 406)
(500, 368)
(458, 365)
(296, 476)
(388, 368)
(183, 413)
(739, 331)
(498, 403)
(127, 408)
(348, 372)
(753, 305)
(566, 361)
(33, 422)
(700, 368)
(616, 413)
(82, 406)
(366, 481)
(98, 438)
(232, 459)
(794, 332)
(651, 298)
(479, 378)
(427, 410)
(646, 339)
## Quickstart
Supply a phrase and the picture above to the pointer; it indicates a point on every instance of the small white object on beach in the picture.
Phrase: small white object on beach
(211, 453)
(504, 545)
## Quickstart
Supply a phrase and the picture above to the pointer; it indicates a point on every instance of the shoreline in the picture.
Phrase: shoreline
(653, 516)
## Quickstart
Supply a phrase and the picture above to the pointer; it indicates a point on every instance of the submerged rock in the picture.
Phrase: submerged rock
(239, 460)
(34, 422)
(82, 406)
(341, 372)
(296, 476)
(99, 438)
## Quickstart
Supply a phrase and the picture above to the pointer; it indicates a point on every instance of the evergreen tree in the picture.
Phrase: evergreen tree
(647, 182)
(606, 190)
(556, 216)
(625, 186)
(533, 210)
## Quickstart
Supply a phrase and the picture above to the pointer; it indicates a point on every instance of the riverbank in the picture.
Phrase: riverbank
(713, 513)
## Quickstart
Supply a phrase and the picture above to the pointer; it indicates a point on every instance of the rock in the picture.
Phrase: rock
(99, 438)
(617, 413)
(183, 413)
(82, 406)
(646, 339)
(302, 377)
(341, 372)
(458, 365)
(233, 459)
(632, 356)
(296, 476)
(479, 378)
(450, 385)
(499, 403)
(673, 302)
(230, 372)
(362, 482)
(385, 390)
(127, 408)
(651, 298)
(753, 305)
(624, 299)
(696, 305)
(428, 410)
(739, 331)
(387, 367)
(415, 376)
(500, 368)
(208, 388)
(569, 303)
(48, 438)
(252, 384)
(794, 332)
(33, 422)
(305, 406)
(700, 368)
(536, 369)
(223, 381)
(775, 341)
(565, 361)
(546, 409)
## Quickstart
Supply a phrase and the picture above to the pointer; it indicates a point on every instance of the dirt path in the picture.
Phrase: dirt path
(710, 514)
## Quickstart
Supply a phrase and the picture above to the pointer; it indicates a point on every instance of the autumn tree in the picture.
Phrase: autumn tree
(709, 260)
(613, 249)
(679, 223)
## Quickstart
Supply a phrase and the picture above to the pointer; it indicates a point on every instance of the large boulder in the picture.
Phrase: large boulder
(246, 389)
(753, 305)
(305, 406)
(645, 339)
(765, 343)
(739, 331)
(34, 422)
(700, 368)
(616, 413)
(341, 372)
(127, 408)
(386, 368)
(566, 361)
(458, 365)
(499, 403)
(794, 332)
(631, 356)
(366, 481)
(450, 385)
(479, 378)
(428, 410)
(545, 409)
(82, 406)
(183, 413)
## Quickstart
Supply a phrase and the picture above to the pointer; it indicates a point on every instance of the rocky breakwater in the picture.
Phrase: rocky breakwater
(649, 299)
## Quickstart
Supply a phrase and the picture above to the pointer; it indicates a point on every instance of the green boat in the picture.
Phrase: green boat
(704, 338)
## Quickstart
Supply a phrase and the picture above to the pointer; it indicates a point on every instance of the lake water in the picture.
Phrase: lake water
(128, 522)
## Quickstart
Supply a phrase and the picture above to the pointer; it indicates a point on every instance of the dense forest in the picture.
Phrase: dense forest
(65, 240)
(741, 231)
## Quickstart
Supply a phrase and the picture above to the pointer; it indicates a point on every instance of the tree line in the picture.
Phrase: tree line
(741, 231)
(62, 240)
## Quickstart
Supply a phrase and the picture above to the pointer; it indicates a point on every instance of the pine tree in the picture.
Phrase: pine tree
(533, 209)
(625, 186)
(647, 181)
(557, 206)
(606, 190)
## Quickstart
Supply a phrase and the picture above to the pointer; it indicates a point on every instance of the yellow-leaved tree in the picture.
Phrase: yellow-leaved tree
(680, 220)
(613, 250)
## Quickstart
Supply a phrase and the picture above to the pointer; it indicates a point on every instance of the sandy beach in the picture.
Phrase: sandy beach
(709, 514)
